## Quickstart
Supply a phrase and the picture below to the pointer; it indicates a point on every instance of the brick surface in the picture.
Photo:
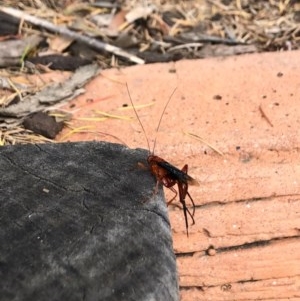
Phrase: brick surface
(246, 240)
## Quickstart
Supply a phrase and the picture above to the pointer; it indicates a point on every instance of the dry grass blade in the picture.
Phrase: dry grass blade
(113, 116)
(6, 100)
(205, 142)
(92, 119)
(82, 129)
(89, 129)
(150, 104)
(20, 135)
(15, 88)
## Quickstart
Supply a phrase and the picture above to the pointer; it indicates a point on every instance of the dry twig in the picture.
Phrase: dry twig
(93, 43)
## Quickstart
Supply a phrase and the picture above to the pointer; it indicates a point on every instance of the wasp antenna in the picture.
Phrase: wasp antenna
(137, 116)
(161, 117)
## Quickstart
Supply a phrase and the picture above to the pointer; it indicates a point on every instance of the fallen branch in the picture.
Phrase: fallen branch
(93, 43)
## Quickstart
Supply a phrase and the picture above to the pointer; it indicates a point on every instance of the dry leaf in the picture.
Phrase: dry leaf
(59, 43)
(139, 12)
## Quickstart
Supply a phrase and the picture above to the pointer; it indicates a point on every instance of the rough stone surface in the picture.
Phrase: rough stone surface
(79, 221)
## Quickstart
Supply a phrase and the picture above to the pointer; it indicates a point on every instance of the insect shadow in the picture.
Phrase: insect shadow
(167, 174)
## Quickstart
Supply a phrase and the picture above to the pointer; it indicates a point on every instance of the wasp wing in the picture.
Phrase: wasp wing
(176, 174)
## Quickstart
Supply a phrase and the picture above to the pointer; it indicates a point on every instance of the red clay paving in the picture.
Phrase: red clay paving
(245, 110)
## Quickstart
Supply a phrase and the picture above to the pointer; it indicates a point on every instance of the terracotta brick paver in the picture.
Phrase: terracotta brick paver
(245, 244)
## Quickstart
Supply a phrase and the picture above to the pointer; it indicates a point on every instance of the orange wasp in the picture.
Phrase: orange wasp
(167, 174)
